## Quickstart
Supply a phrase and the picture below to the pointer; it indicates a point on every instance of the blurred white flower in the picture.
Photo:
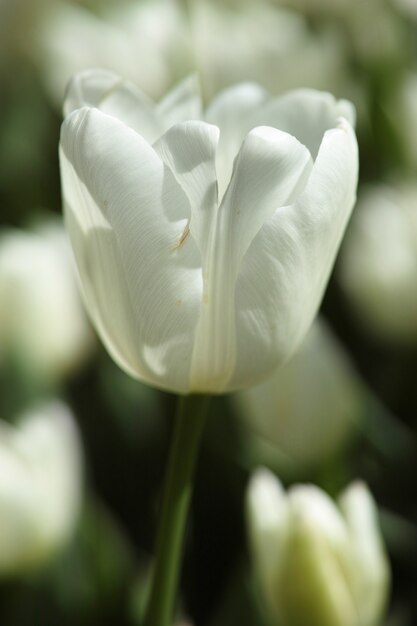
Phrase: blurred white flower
(40, 486)
(42, 321)
(148, 42)
(307, 409)
(378, 263)
(409, 7)
(371, 27)
(270, 45)
(155, 43)
(204, 247)
(317, 563)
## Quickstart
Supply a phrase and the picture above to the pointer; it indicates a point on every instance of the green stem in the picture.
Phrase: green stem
(189, 424)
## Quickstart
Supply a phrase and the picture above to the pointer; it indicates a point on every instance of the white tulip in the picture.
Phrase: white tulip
(40, 486)
(317, 563)
(41, 315)
(204, 242)
(378, 264)
(307, 409)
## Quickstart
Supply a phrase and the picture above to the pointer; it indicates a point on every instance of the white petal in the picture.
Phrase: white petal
(267, 514)
(313, 584)
(270, 171)
(232, 112)
(89, 88)
(304, 113)
(115, 96)
(370, 573)
(189, 150)
(266, 501)
(270, 167)
(123, 100)
(285, 271)
(126, 215)
(310, 504)
(182, 104)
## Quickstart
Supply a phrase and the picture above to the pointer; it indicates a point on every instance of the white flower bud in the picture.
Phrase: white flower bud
(378, 262)
(40, 486)
(317, 564)
(42, 321)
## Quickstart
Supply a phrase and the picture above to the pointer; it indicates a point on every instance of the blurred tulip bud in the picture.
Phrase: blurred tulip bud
(40, 486)
(317, 563)
(42, 321)
(306, 410)
(378, 262)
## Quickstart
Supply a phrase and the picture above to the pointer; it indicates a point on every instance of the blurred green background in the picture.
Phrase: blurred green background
(329, 423)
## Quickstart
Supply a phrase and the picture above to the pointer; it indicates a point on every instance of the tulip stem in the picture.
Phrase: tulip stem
(189, 425)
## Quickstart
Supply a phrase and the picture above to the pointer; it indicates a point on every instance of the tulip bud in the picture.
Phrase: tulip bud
(317, 563)
(42, 321)
(40, 486)
(307, 409)
(378, 263)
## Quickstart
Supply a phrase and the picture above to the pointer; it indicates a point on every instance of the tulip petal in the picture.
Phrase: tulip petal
(182, 104)
(120, 98)
(318, 553)
(310, 504)
(115, 96)
(232, 112)
(89, 88)
(305, 113)
(370, 574)
(189, 150)
(270, 171)
(286, 268)
(270, 167)
(126, 214)
(267, 514)
(312, 580)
